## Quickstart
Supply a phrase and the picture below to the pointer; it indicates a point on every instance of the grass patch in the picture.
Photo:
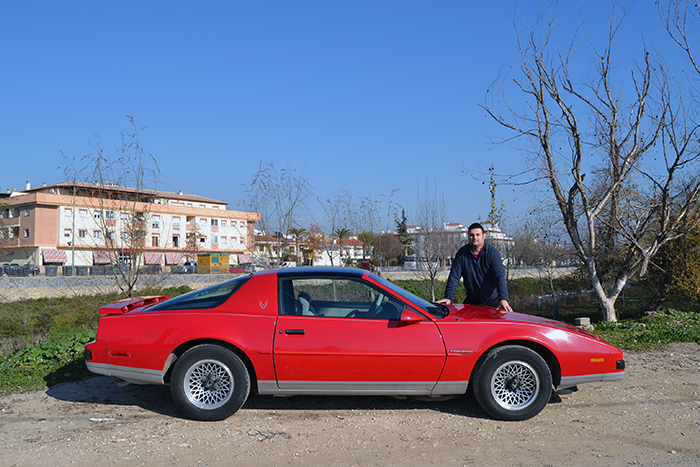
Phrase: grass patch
(654, 331)
(41, 340)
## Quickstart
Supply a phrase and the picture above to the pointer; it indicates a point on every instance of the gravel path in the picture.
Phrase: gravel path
(650, 418)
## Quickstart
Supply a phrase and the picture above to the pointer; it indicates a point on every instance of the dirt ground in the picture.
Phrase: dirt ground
(650, 418)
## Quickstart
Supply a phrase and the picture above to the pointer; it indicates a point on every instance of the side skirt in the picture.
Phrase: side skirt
(362, 388)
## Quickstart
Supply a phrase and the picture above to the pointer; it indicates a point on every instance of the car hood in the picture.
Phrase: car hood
(482, 313)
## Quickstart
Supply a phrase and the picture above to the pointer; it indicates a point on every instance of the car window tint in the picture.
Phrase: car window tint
(336, 298)
(209, 297)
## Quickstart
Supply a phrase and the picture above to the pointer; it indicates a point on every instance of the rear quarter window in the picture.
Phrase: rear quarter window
(209, 297)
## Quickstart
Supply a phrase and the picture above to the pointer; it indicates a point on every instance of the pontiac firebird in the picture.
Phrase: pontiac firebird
(340, 331)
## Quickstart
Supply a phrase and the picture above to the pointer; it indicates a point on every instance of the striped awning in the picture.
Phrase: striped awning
(54, 255)
(173, 257)
(152, 257)
(101, 257)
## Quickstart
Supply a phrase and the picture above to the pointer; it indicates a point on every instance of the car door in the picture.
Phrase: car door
(349, 340)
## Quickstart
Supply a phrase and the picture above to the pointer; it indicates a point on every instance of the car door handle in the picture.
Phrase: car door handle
(294, 331)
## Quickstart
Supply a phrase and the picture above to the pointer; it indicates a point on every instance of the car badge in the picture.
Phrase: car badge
(263, 305)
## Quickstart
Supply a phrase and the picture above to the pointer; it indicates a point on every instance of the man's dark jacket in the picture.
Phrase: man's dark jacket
(484, 277)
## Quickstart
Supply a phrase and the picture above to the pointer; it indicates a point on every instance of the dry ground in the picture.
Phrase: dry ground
(652, 417)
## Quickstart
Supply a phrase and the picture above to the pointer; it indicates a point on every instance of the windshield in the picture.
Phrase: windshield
(438, 311)
(210, 297)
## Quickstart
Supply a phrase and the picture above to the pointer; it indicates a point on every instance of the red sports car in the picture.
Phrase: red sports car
(340, 331)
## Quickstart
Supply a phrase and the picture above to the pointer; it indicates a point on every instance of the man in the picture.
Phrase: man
(481, 267)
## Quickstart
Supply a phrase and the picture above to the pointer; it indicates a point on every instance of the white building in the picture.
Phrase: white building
(83, 224)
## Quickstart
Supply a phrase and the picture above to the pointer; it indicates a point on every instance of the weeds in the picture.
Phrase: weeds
(652, 331)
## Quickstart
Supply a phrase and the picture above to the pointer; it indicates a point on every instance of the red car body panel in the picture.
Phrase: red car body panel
(577, 352)
(347, 349)
(289, 354)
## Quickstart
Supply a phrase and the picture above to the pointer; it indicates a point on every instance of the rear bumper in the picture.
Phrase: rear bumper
(132, 375)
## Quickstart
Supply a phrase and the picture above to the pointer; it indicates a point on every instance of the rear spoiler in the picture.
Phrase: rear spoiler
(122, 306)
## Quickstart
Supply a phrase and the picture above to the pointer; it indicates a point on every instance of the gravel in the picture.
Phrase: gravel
(650, 418)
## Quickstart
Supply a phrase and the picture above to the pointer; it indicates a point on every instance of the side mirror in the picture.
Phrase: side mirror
(409, 316)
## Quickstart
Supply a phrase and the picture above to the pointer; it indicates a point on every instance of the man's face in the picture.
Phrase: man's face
(476, 239)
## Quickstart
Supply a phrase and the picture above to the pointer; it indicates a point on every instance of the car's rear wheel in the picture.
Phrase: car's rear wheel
(512, 383)
(209, 383)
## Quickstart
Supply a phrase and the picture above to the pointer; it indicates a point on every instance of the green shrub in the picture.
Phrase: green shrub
(48, 363)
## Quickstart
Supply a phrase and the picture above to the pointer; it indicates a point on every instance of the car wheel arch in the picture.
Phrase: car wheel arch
(543, 351)
(184, 347)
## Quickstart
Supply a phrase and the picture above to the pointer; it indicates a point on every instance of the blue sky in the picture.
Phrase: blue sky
(372, 96)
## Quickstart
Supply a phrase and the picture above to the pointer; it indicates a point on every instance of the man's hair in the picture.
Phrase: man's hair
(476, 225)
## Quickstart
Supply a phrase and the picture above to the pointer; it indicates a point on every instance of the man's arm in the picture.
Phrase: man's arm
(499, 276)
(452, 280)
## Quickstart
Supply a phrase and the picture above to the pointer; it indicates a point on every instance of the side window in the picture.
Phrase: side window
(336, 298)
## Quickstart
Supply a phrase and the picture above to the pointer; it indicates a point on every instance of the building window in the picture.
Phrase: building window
(97, 215)
(68, 212)
(202, 205)
(96, 234)
(214, 239)
(203, 222)
(223, 241)
(215, 222)
(67, 233)
(202, 239)
(156, 222)
(154, 240)
(27, 212)
(176, 241)
(26, 233)
(82, 233)
(176, 223)
(109, 214)
(125, 236)
(242, 225)
(82, 213)
(223, 223)
(125, 216)
(242, 242)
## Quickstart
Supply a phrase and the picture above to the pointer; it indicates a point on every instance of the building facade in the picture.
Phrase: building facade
(85, 224)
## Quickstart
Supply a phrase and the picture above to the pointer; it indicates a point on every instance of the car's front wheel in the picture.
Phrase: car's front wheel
(209, 383)
(512, 383)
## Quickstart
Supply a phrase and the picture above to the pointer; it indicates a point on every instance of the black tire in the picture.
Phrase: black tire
(209, 383)
(512, 383)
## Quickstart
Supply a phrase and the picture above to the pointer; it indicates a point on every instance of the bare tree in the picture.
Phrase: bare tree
(573, 126)
(679, 17)
(299, 234)
(278, 195)
(433, 245)
(377, 212)
(341, 235)
(540, 245)
(387, 247)
(119, 189)
(339, 213)
(192, 242)
(374, 219)
(316, 241)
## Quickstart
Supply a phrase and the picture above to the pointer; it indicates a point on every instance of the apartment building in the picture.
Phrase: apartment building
(88, 224)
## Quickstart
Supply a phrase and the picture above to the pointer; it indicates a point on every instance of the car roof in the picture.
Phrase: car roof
(324, 271)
